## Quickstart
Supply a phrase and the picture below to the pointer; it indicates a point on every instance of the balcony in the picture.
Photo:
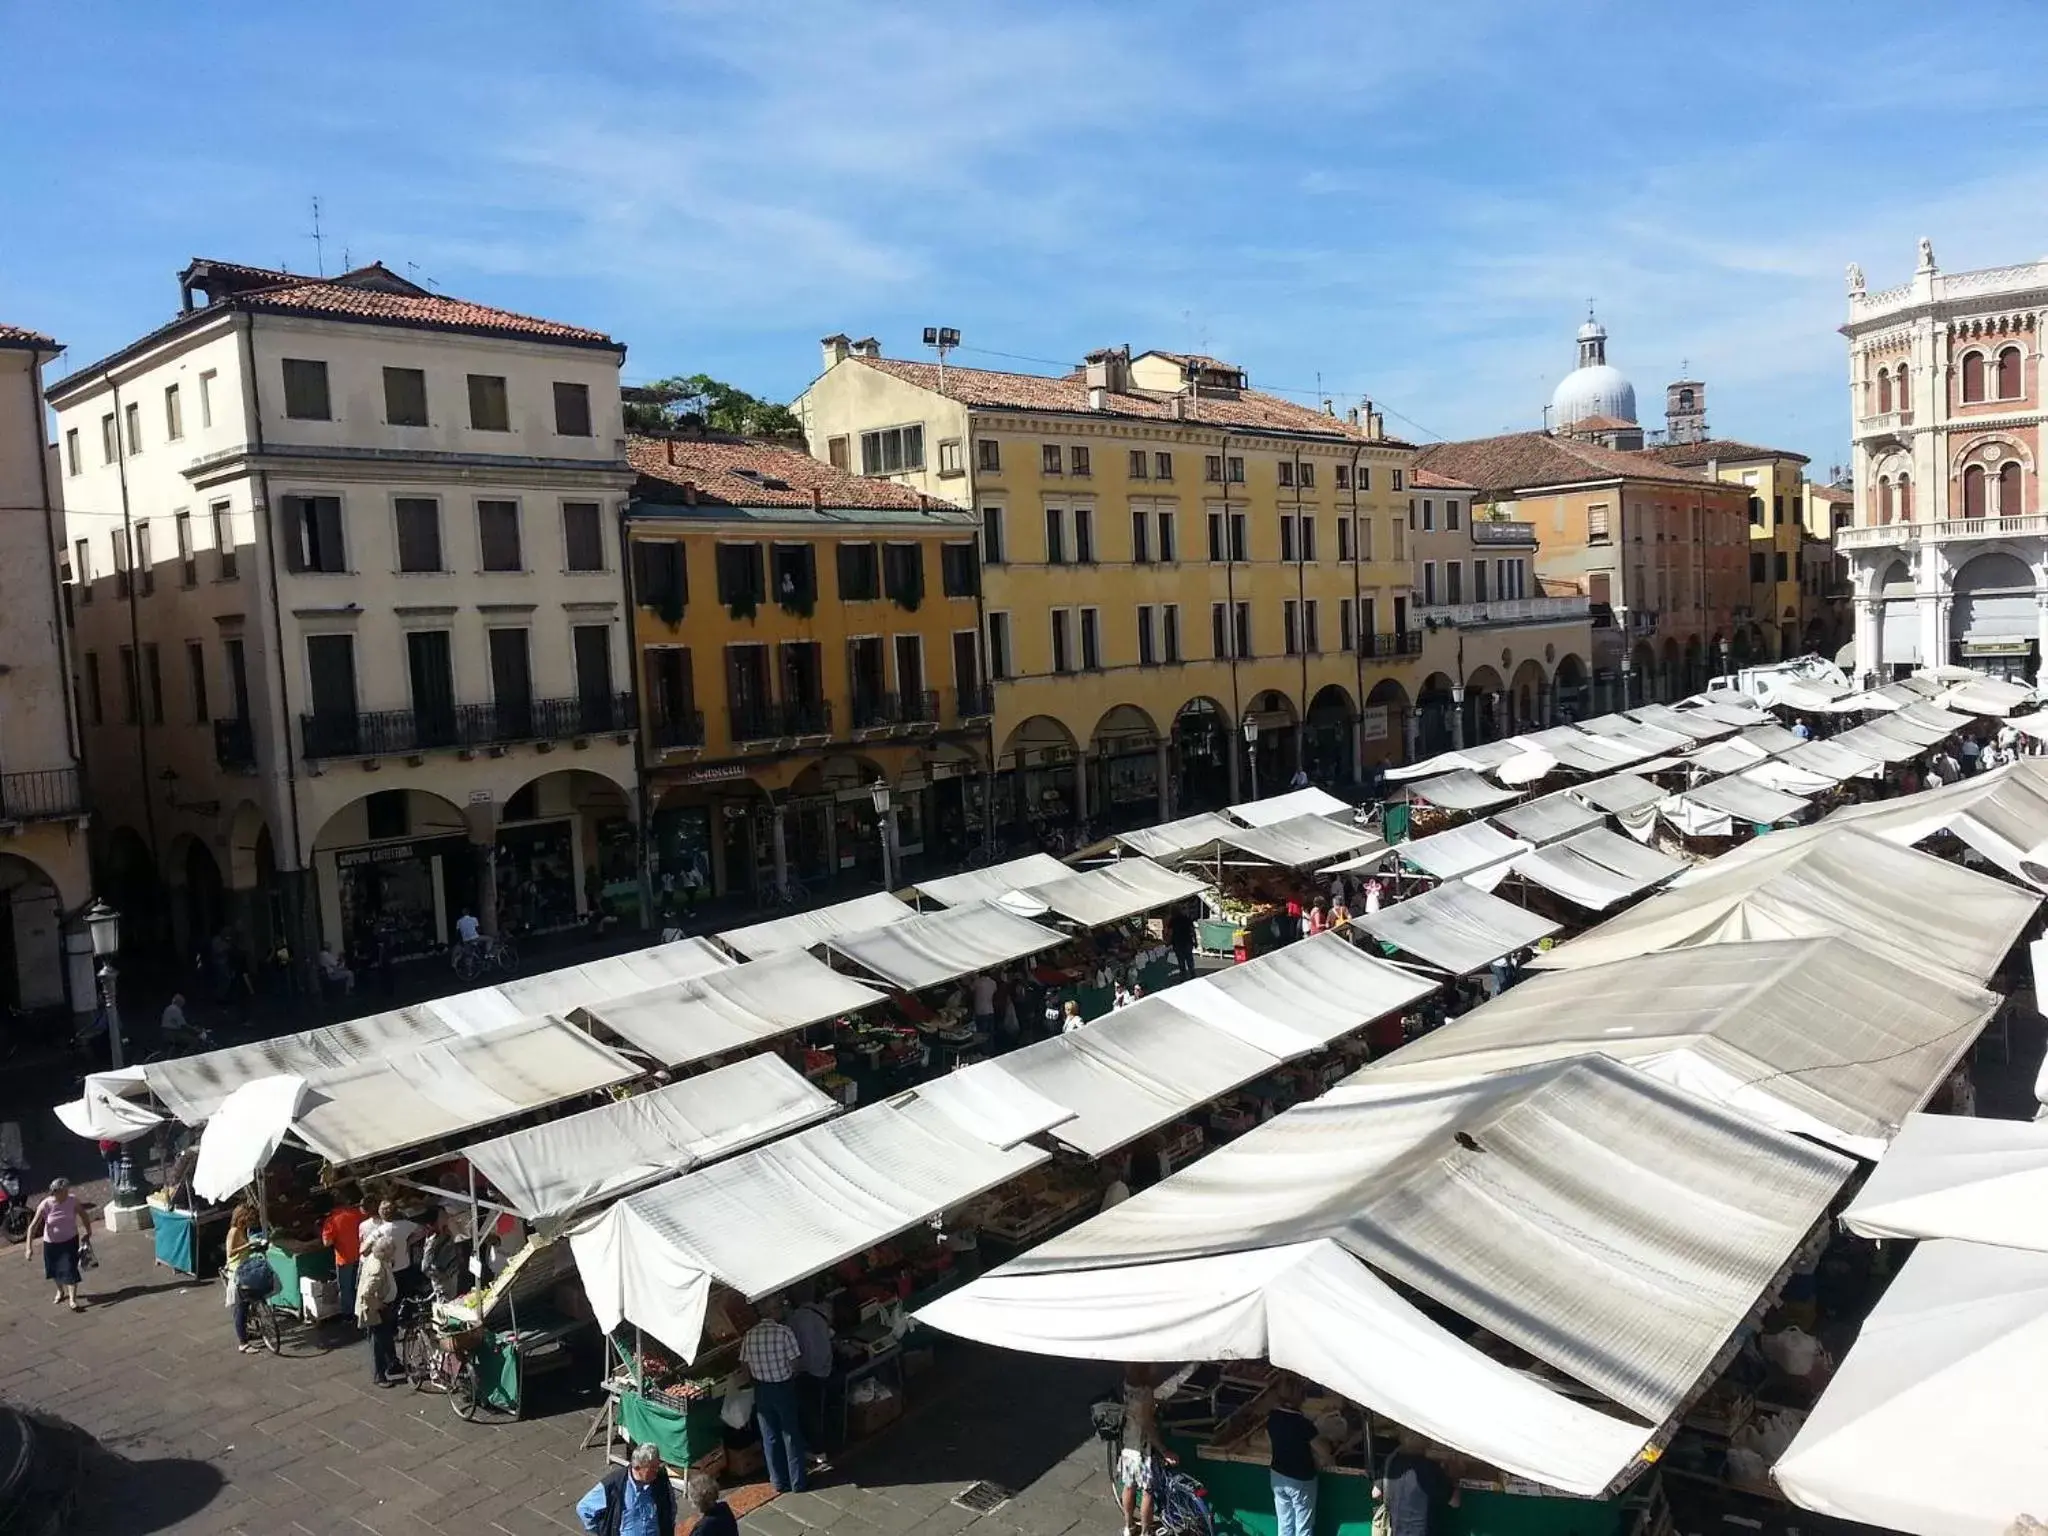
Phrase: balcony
(1511, 610)
(684, 728)
(977, 703)
(1407, 643)
(46, 794)
(882, 711)
(774, 722)
(234, 746)
(1877, 423)
(1912, 535)
(1490, 531)
(398, 732)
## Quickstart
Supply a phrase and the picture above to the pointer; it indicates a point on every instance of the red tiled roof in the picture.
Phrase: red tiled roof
(1727, 450)
(1528, 460)
(1604, 424)
(1244, 410)
(1839, 495)
(1430, 480)
(714, 465)
(22, 336)
(376, 293)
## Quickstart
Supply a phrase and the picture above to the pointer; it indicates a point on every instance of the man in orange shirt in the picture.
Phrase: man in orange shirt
(342, 1231)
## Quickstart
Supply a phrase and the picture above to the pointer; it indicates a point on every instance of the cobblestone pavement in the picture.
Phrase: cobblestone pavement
(215, 1443)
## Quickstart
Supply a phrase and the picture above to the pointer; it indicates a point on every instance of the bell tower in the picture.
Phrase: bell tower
(1685, 411)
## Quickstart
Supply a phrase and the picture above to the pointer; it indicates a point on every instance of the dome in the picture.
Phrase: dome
(1592, 330)
(1596, 390)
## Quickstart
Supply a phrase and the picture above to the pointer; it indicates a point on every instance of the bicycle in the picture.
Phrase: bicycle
(1180, 1504)
(438, 1357)
(791, 892)
(487, 952)
(260, 1318)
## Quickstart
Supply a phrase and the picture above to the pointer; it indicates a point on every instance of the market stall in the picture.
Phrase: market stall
(1462, 791)
(1582, 753)
(1114, 892)
(1988, 696)
(1286, 807)
(1718, 808)
(1873, 741)
(1473, 851)
(1596, 868)
(1456, 927)
(1548, 819)
(994, 881)
(1173, 841)
(1694, 724)
(928, 949)
(1955, 1176)
(2002, 815)
(809, 930)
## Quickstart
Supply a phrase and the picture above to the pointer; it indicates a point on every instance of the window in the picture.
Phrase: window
(999, 645)
(1343, 477)
(1429, 583)
(1756, 511)
(1400, 480)
(1597, 530)
(1286, 538)
(1884, 391)
(195, 664)
(1454, 581)
(1050, 460)
(1162, 466)
(1141, 538)
(1347, 632)
(949, 457)
(1905, 499)
(1168, 550)
(1400, 540)
(1478, 581)
(133, 413)
(1311, 632)
(742, 577)
(1091, 640)
(1212, 468)
(419, 533)
(837, 452)
(71, 451)
(672, 695)
(892, 451)
(1343, 538)
(405, 397)
(1973, 378)
(1756, 568)
(1219, 630)
(1365, 478)
(903, 574)
(238, 676)
(174, 414)
(1062, 656)
(1451, 517)
(385, 814)
(1077, 462)
(2009, 494)
(1400, 615)
(1286, 467)
(1084, 535)
(860, 573)
(1308, 539)
(489, 408)
(312, 531)
(1783, 574)
(1237, 537)
(1235, 466)
(956, 570)
(1216, 537)
(1148, 655)
(1368, 616)
(660, 578)
(1428, 516)
(1777, 511)
(81, 569)
(497, 529)
(992, 536)
(1290, 620)
(305, 390)
(572, 410)
(1169, 631)
(1308, 477)
(583, 535)
(1513, 579)
(1973, 499)
(121, 562)
(793, 569)
(94, 703)
(153, 675)
(1055, 536)
(2009, 387)
(988, 455)
(1243, 627)
(145, 563)
(224, 539)
(110, 440)
(206, 397)
(1141, 465)
(188, 564)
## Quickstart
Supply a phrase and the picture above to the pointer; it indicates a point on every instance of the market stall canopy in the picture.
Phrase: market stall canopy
(807, 930)
(1816, 881)
(1788, 778)
(1466, 851)
(1113, 892)
(688, 1021)
(1596, 869)
(552, 1170)
(1296, 802)
(1712, 809)
(1723, 757)
(106, 1110)
(1924, 721)
(1815, 1036)
(1525, 768)
(996, 880)
(1475, 759)
(1373, 857)
(1634, 734)
(1618, 794)
(445, 1087)
(1550, 819)
(1309, 993)
(1302, 842)
(1697, 725)
(1955, 1176)
(1456, 927)
(1871, 740)
(1806, 699)
(1987, 696)
(1462, 791)
(594, 981)
(244, 1133)
(1574, 749)
(778, 1214)
(2002, 814)
(1773, 740)
(1830, 760)
(1931, 1423)
(1175, 840)
(1691, 1210)
(1735, 710)
(1313, 1309)
(936, 947)
(192, 1087)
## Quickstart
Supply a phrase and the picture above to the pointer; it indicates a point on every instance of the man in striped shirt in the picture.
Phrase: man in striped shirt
(771, 1354)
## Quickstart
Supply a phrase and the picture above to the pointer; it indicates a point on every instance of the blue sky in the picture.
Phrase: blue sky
(1410, 201)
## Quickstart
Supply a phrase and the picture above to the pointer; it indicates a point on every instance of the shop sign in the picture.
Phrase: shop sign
(479, 797)
(715, 774)
(1372, 723)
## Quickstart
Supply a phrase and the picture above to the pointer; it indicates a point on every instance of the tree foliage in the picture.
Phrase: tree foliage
(706, 404)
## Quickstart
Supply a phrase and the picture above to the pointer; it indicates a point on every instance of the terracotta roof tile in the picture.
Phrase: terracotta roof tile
(22, 336)
(1726, 449)
(740, 472)
(375, 293)
(1839, 495)
(1431, 480)
(1526, 460)
(1242, 410)
(1604, 424)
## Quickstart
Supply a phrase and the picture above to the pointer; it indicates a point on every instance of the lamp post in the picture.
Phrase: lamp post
(1724, 655)
(884, 826)
(1251, 751)
(1621, 620)
(103, 923)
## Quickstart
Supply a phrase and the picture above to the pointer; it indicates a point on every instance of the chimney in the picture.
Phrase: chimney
(835, 349)
(1351, 415)
(670, 443)
(1180, 407)
(817, 499)
(1098, 397)
(689, 493)
(867, 346)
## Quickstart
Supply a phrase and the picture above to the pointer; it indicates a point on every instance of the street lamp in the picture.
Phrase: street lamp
(1251, 751)
(883, 827)
(103, 923)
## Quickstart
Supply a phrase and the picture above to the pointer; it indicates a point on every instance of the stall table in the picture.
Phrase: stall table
(293, 1267)
(191, 1242)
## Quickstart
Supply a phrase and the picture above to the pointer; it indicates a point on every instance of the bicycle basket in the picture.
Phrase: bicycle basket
(459, 1338)
(1107, 1415)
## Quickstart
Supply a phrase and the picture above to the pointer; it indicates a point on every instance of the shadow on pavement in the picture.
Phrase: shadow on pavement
(134, 1498)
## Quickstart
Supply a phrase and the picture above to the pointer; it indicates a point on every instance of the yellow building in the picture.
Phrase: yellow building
(800, 634)
(1192, 588)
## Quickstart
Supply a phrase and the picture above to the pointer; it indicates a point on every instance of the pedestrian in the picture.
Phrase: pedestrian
(253, 1280)
(693, 885)
(112, 1155)
(1298, 1454)
(636, 1499)
(342, 1231)
(714, 1515)
(771, 1354)
(406, 1239)
(811, 1322)
(1414, 1489)
(985, 1005)
(1143, 1452)
(65, 1226)
(1318, 920)
(1180, 933)
(172, 1027)
(1070, 1017)
(377, 1307)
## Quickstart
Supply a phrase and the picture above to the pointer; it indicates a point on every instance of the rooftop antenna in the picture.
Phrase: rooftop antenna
(319, 251)
(943, 339)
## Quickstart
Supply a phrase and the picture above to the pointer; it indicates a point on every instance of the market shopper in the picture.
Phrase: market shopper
(1298, 1454)
(377, 1306)
(1180, 933)
(342, 1230)
(1070, 1017)
(1143, 1453)
(714, 1515)
(985, 1005)
(1414, 1489)
(637, 1499)
(405, 1238)
(772, 1354)
(811, 1322)
(253, 1280)
(65, 1226)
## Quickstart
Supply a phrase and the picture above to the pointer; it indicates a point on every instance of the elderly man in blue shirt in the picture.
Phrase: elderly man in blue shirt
(633, 1500)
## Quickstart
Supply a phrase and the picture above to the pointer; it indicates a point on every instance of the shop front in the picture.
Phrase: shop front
(1036, 784)
(679, 859)
(404, 894)
(536, 876)
(1201, 739)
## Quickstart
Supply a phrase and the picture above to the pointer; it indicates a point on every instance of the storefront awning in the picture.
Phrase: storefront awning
(1955, 1176)
(553, 1170)
(1175, 840)
(1113, 892)
(690, 1021)
(1296, 802)
(1462, 791)
(936, 947)
(1467, 851)
(1550, 819)
(807, 930)
(1456, 927)
(996, 880)
(1596, 869)
(1300, 843)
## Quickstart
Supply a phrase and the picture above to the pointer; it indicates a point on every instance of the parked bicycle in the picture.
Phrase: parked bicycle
(789, 892)
(438, 1356)
(487, 952)
(1180, 1504)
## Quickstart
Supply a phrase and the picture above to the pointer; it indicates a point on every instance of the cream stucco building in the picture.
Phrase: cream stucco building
(350, 649)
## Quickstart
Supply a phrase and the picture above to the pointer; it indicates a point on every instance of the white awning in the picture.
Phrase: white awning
(1788, 778)
(1462, 851)
(244, 1134)
(572, 986)
(1774, 740)
(1596, 869)
(1478, 759)
(1373, 857)
(936, 947)
(1932, 1422)
(996, 880)
(768, 1218)
(1636, 735)
(1816, 1036)
(1299, 843)
(807, 930)
(553, 1170)
(1882, 746)
(1175, 840)
(2002, 814)
(1525, 768)
(1113, 892)
(106, 1110)
(1618, 794)
(1729, 800)
(1724, 757)
(1309, 993)
(1574, 749)
(1462, 791)
(1955, 1176)
(1296, 802)
(1549, 819)
(1696, 724)
(1987, 696)
(1735, 710)
(194, 1086)
(1456, 927)
(689, 1021)
(1805, 699)
(446, 1087)
(1829, 760)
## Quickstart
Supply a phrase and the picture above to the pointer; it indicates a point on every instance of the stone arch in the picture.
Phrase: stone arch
(1038, 772)
(1482, 708)
(1123, 768)
(564, 842)
(1327, 744)
(1528, 689)
(32, 935)
(1991, 449)
(198, 893)
(130, 882)
(1383, 723)
(1994, 614)
(395, 870)
(1203, 756)
(826, 822)
(245, 825)
(1434, 710)
(1570, 687)
(1275, 752)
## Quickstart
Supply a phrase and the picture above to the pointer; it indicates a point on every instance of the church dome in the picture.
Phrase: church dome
(1593, 388)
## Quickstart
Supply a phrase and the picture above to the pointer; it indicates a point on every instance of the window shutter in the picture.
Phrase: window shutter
(328, 533)
(292, 529)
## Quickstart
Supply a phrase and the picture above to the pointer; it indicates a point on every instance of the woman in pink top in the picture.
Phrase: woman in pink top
(62, 1223)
